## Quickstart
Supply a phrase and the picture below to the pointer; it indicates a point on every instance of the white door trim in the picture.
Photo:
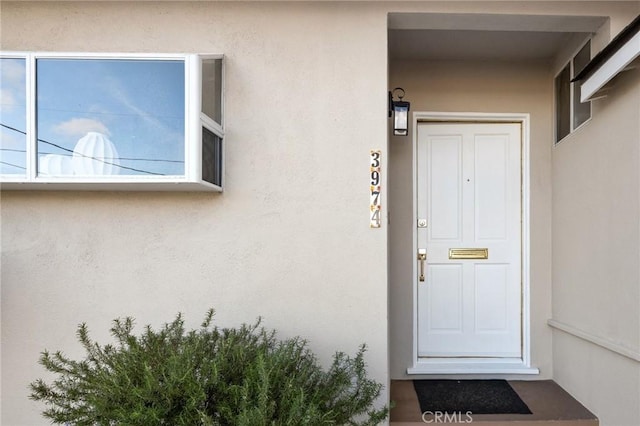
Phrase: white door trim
(477, 365)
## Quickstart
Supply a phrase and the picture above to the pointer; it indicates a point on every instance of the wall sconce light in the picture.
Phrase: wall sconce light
(399, 109)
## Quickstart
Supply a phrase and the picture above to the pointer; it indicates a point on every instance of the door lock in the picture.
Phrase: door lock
(422, 256)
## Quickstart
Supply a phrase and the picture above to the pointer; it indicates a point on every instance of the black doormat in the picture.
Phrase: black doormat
(475, 396)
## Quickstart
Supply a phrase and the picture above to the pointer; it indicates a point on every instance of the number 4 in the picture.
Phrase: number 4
(375, 218)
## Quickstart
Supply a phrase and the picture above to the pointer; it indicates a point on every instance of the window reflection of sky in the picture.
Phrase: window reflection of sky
(12, 116)
(137, 104)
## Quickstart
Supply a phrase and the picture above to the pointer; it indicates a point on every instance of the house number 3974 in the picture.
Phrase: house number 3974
(374, 185)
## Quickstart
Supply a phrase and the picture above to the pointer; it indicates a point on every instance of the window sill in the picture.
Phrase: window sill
(575, 131)
(112, 185)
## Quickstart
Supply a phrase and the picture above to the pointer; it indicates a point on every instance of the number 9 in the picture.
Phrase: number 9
(375, 178)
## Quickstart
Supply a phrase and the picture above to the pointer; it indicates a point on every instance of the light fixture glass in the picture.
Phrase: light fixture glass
(400, 110)
(400, 118)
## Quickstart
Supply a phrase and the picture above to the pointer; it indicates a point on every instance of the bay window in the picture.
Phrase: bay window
(111, 121)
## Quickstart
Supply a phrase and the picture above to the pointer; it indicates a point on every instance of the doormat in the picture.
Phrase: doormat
(475, 396)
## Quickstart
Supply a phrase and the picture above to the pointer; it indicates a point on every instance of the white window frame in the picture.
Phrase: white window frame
(195, 120)
(572, 88)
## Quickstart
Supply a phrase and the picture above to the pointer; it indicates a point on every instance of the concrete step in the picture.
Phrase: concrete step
(549, 403)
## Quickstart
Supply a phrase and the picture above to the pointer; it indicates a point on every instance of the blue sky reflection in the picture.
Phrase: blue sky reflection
(137, 104)
(13, 116)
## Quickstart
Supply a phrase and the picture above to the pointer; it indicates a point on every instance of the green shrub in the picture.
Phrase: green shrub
(209, 376)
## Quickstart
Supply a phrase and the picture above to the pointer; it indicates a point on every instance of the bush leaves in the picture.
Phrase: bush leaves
(210, 376)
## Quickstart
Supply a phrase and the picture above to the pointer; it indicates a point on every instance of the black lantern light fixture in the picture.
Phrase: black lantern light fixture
(399, 110)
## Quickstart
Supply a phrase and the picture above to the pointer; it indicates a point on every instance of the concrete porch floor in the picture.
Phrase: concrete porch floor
(549, 403)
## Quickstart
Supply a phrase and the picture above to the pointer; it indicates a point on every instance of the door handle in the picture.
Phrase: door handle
(422, 256)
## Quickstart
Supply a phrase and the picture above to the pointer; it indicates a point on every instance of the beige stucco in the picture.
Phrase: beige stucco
(289, 239)
(473, 87)
(596, 189)
(584, 220)
(596, 247)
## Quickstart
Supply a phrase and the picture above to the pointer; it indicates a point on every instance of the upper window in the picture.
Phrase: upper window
(570, 112)
(76, 121)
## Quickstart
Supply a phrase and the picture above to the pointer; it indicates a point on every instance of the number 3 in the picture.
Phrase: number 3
(375, 159)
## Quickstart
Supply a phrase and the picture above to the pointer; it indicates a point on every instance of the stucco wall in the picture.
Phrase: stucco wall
(289, 239)
(472, 87)
(596, 247)
(484, 87)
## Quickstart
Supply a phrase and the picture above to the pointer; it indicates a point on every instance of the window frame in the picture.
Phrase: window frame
(194, 121)
(573, 86)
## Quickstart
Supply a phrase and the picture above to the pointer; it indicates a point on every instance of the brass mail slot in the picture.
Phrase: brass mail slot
(468, 253)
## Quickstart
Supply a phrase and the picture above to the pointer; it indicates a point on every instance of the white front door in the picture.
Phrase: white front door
(469, 222)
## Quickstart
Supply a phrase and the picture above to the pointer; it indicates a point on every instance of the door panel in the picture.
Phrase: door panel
(445, 198)
(447, 285)
(491, 169)
(491, 295)
(469, 192)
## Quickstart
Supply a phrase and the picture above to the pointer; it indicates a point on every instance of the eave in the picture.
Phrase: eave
(620, 54)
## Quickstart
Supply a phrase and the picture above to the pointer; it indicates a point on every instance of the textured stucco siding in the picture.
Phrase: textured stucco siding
(596, 247)
(474, 86)
(288, 240)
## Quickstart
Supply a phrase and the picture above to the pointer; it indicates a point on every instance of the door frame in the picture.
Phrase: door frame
(491, 366)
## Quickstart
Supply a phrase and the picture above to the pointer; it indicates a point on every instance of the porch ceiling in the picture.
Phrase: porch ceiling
(437, 36)
(476, 45)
